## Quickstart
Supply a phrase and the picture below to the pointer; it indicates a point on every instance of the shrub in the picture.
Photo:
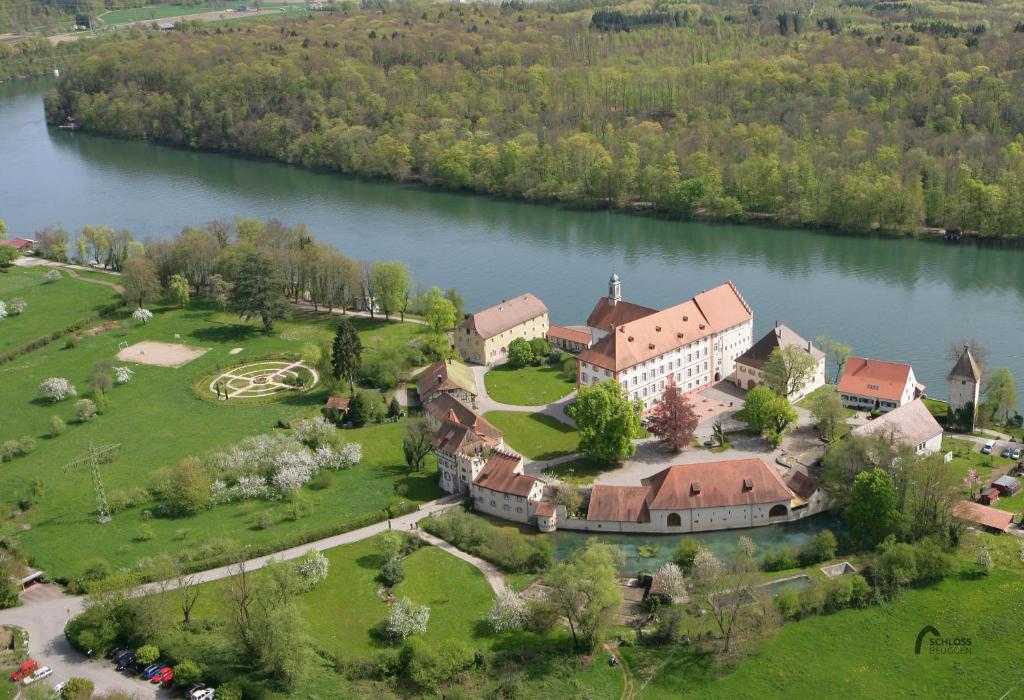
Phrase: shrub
(122, 499)
(838, 591)
(229, 691)
(314, 432)
(189, 488)
(57, 389)
(18, 306)
(188, 672)
(544, 617)
(57, 426)
(142, 315)
(78, 688)
(541, 349)
(144, 533)
(123, 375)
(933, 564)
(101, 381)
(429, 665)
(984, 561)
(810, 600)
(321, 481)
(407, 619)
(85, 410)
(312, 568)
(52, 276)
(860, 591)
(685, 552)
(779, 560)
(787, 602)
(392, 573)
(509, 612)
(147, 654)
(398, 506)
(71, 342)
(264, 520)
(508, 549)
(824, 545)
(96, 570)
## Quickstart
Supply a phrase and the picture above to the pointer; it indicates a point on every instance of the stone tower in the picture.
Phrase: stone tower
(964, 391)
(614, 290)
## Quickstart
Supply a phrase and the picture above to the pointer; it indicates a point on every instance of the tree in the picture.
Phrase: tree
(984, 561)
(189, 490)
(520, 354)
(8, 255)
(979, 352)
(673, 420)
(788, 370)
(179, 289)
(671, 579)
(569, 496)
(825, 545)
(86, 410)
(259, 291)
(585, 591)
(417, 442)
(438, 312)
(406, 619)
(837, 353)
(686, 552)
(358, 411)
(147, 654)
(724, 590)
(509, 612)
(346, 353)
(457, 303)
(607, 421)
(972, 481)
(767, 413)
(392, 285)
(1000, 395)
(186, 673)
(140, 282)
(57, 389)
(829, 411)
(872, 514)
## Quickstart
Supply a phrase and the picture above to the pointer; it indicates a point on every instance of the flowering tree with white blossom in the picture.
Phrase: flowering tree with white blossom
(123, 375)
(57, 389)
(407, 619)
(509, 612)
(142, 315)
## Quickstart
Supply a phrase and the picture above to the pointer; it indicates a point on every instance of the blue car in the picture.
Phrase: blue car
(148, 672)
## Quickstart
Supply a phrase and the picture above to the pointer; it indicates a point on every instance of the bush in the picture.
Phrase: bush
(79, 689)
(57, 426)
(779, 560)
(398, 506)
(229, 691)
(429, 665)
(122, 499)
(508, 549)
(933, 563)
(810, 600)
(186, 673)
(544, 617)
(321, 481)
(541, 349)
(824, 545)
(144, 533)
(96, 570)
(264, 520)
(85, 410)
(392, 573)
(787, 602)
(838, 591)
(57, 389)
(147, 654)
(686, 550)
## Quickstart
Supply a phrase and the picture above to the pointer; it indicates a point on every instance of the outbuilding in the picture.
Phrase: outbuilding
(989, 496)
(1006, 485)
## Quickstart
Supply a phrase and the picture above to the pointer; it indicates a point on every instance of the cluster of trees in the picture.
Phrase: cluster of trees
(607, 420)
(523, 352)
(717, 114)
(506, 548)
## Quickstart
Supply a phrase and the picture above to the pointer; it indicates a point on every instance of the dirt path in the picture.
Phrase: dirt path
(113, 285)
(628, 691)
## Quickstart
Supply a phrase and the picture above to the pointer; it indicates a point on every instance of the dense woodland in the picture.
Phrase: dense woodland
(862, 116)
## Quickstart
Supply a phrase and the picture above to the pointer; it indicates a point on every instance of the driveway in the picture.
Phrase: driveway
(485, 403)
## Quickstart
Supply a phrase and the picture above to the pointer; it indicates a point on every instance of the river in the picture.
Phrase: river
(898, 299)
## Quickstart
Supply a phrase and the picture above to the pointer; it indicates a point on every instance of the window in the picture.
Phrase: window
(507, 507)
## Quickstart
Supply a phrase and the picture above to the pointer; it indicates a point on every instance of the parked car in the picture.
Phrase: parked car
(25, 670)
(1006, 452)
(165, 677)
(113, 652)
(59, 688)
(987, 448)
(1015, 454)
(198, 691)
(41, 673)
(148, 672)
(124, 661)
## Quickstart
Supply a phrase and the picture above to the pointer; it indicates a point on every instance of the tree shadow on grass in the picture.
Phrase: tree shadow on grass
(223, 334)
(371, 562)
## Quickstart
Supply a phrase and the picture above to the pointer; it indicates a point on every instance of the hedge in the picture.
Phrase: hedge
(45, 340)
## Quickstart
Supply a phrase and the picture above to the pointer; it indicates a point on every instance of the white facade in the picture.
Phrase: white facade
(729, 345)
(456, 471)
(871, 403)
(506, 505)
(748, 377)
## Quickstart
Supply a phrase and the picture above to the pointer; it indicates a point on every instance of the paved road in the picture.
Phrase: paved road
(45, 610)
(485, 403)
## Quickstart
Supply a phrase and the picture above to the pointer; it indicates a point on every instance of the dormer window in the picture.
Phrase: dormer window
(748, 485)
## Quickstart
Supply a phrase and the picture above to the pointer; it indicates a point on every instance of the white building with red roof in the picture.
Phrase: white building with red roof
(696, 341)
(503, 490)
(877, 385)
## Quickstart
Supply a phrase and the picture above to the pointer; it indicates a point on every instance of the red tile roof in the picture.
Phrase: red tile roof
(508, 314)
(19, 243)
(875, 379)
(454, 437)
(446, 375)
(448, 408)
(605, 315)
(983, 515)
(734, 482)
(573, 335)
(339, 403)
(803, 485)
(499, 475)
(657, 333)
(910, 424)
(626, 504)
(544, 509)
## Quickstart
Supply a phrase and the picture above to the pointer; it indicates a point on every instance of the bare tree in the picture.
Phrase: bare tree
(239, 593)
(724, 590)
(188, 589)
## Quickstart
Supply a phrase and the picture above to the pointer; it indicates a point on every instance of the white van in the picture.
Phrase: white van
(987, 448)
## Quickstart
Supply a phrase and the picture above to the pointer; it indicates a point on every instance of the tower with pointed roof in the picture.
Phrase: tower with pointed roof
(614, 290)
(964, 391)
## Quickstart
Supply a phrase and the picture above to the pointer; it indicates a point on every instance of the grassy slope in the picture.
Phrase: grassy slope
(535, 435)
(158, 421)
(528, 386)
(50, 306)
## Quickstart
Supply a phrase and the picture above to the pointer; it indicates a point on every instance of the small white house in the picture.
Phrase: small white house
(877, 385)
(910, 424)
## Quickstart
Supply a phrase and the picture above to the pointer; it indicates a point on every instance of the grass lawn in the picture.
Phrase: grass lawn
(528, 386)
(51, 307)
(967, 455)
(535, 435)
(866, 653)
(938, 408)
(580, 471)
(807, 402)
(158, 421)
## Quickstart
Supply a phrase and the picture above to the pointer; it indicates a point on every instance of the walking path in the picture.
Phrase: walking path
(44, 616)
(493, 575)
(72, 270)
(486, 404)
(307, 306)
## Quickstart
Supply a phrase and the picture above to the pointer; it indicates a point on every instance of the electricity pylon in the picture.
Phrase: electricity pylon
(92, 460)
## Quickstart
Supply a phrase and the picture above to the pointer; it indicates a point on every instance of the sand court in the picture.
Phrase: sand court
(153, 352)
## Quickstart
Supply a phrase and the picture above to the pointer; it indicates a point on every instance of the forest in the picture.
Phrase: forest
(860, 116)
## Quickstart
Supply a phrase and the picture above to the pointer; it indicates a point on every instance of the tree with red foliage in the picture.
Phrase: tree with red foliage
(673, 420)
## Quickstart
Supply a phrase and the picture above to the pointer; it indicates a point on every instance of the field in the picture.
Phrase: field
(535, 435)
(158, 421)
(528, 386)
(865, 653)
(51, 307)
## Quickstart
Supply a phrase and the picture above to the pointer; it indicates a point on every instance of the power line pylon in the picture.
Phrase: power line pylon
(92, 459)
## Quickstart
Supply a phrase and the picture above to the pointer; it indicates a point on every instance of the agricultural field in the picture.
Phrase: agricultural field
(51, 306)
(158, 420)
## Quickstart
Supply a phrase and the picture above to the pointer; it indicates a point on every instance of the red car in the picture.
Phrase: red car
(25, 670)
(164, 678)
